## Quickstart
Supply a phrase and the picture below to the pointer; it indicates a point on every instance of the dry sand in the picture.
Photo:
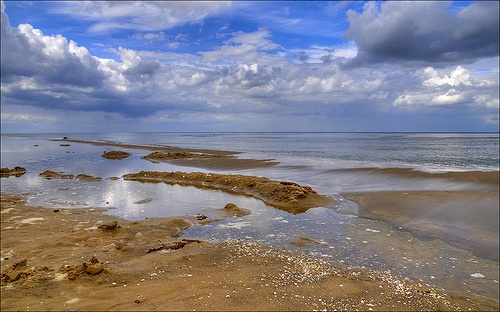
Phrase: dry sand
(82, 259)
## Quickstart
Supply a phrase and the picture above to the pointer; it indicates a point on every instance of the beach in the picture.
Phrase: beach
(236, 275)
(73, 258)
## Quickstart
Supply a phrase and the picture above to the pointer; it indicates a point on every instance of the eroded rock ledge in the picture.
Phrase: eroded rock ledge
(288, 196)
(49, 175)
(16, 172)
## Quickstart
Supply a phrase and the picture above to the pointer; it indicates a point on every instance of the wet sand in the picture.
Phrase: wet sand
(487, 178)
(68, 260)
(468, 219)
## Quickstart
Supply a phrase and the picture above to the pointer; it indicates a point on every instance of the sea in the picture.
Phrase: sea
(422, 249)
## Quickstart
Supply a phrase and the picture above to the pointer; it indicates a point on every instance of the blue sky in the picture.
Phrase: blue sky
(249, 66)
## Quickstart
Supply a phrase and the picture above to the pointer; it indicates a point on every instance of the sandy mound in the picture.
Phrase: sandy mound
(288, 196)
(235, 211)
(115, 155)
(91, 267)
(22, 274)
(16, 171)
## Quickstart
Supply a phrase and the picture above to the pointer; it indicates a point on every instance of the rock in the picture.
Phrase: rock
(95, 268)
(477, 275)
(109, 227)
(115, 155)
(88, 178)
(174, 245)
(16, 171)
(91, 267)
(21, 272)
(199, 216)
(49, 174)
(144, 201)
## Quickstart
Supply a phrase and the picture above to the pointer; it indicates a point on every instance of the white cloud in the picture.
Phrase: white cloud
(487, 100)
(322, 54)
(141, 15)
(129, 57)
(152, 36)
(247, 75)
(457, 88)
(451, 96)
(458, 76)
(257, 39)
(173, 45)
(195, 80)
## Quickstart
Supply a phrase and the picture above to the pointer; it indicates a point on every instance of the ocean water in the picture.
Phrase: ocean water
(427, 251)
(423, 151)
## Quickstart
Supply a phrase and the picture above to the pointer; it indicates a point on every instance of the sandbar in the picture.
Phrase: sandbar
(284, 195)
(200, 158)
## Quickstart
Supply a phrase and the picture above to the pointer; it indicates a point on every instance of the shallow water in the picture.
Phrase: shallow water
(341, 236)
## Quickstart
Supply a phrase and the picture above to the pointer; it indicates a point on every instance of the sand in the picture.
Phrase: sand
(429, 212)
(490, 178)
(82, 259)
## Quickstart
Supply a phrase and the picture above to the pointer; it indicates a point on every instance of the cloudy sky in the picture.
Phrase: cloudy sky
(249, 66)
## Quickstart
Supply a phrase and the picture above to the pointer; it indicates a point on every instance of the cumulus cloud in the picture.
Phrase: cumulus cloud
(458, 76)
(27, 52)
(52, 72)
(424, 31)
(457, 88)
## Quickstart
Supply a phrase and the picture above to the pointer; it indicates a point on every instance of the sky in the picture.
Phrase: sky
(354, 66)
